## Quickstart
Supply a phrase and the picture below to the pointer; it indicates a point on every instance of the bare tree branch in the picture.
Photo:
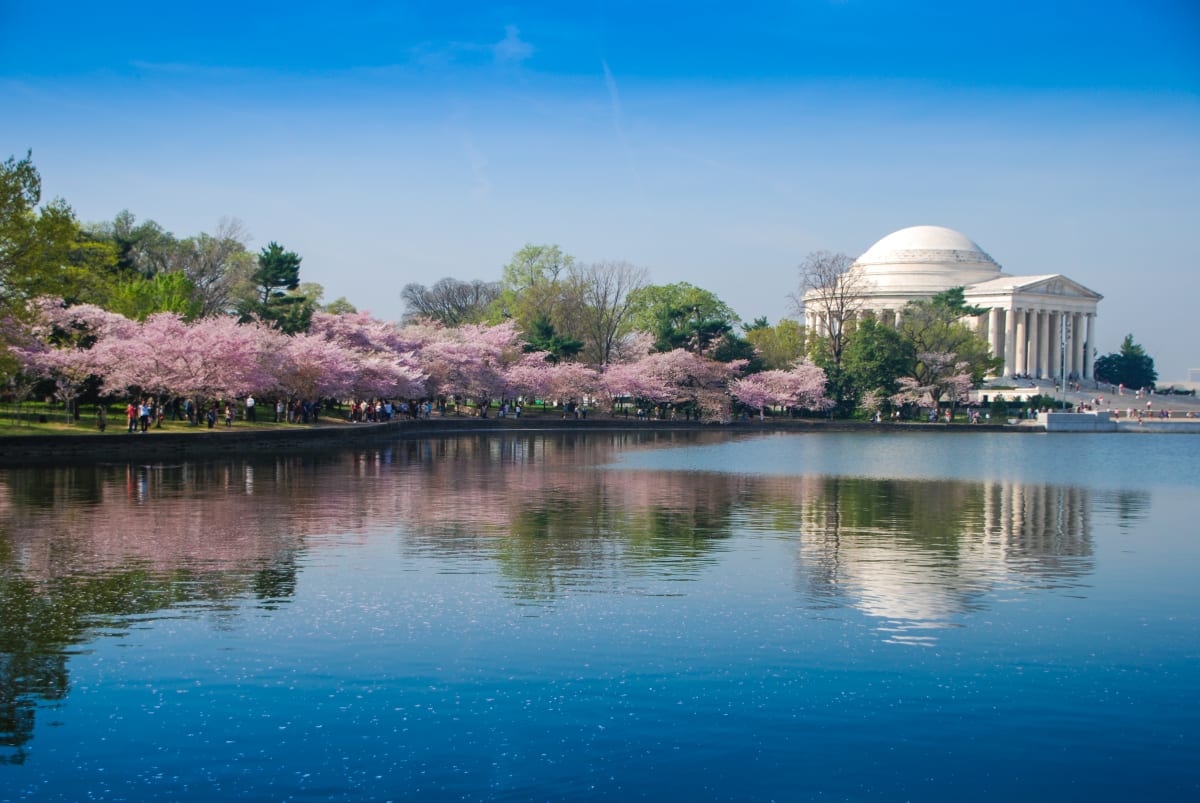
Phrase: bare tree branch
(831, 293)
(449, 301)
(606, 307)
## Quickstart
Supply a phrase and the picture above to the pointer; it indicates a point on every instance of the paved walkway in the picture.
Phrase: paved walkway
(1179, 406)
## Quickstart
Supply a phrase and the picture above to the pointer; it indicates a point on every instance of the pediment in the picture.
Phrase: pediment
(1053, 285)
(1057, 285)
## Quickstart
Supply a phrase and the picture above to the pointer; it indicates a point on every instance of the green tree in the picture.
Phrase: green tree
(137, 296)
(955, 301)
(43, 251)
(275, 302)
(682, 316)
(141, 248)
(536, 283)
(875, 357)
(339, 306)
(278, 270)
(542, 337)
(218, 265)
(1131, 366)
(934, 327)
(779, 346)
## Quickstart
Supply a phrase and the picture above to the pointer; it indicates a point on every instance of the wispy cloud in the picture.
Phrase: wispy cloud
(512, 49)
(614, 100)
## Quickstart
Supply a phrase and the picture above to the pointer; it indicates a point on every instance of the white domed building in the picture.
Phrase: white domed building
(1025, 315)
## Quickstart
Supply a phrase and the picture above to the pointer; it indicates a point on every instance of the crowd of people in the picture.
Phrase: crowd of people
(148, 413)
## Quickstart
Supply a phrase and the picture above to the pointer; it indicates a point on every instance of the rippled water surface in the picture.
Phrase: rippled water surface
(609, 616)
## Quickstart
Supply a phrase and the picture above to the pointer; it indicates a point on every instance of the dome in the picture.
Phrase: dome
(926, 258)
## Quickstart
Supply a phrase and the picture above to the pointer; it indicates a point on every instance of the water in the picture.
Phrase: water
(655, 617)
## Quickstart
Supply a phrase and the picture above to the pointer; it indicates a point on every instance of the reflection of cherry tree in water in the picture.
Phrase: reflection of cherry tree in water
(44, 619)
(33, 667)
(87, 547)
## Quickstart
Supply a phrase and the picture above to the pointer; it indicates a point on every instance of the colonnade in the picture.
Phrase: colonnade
(1028, 339)
(1031, 340)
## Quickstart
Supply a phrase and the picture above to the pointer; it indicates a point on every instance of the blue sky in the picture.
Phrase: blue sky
(710, 143)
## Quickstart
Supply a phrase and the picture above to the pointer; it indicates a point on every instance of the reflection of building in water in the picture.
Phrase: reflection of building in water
(921, 553)
(93, 546)
(1044, 530)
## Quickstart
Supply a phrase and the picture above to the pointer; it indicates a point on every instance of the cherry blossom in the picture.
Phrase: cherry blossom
(939, 376)
(470, 361)
(677, 376)
(533, 376)
(800, 387)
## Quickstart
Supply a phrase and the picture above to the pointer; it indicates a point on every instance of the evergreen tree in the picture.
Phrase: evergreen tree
(275, 302)
(543, 337)
(1131, 367)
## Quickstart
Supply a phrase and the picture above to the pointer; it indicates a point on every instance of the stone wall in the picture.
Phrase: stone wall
(156, 445)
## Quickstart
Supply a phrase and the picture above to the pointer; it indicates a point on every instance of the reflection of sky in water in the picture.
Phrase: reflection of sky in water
(1102, 461)
(493, 618)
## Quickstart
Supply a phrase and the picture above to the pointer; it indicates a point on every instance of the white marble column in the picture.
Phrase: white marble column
(1090, 347)
(1078, 343)
(1052, 371)
(1010, 341)
(1022, 341)
(994, 342)
(1044, 343)
(1035, 343)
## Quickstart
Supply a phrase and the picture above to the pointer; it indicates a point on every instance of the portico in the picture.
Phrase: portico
(1043, 326)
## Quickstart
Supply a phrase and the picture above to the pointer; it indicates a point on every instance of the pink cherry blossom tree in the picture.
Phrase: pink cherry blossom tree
(470, 361)
(801, 387)
(676, 377)
(212, 358)
(532, 376)
(386, 357)
(366, 333)
(312, 366)
(938, 376)
(754, 391)
(384, 375)
(62, 344)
